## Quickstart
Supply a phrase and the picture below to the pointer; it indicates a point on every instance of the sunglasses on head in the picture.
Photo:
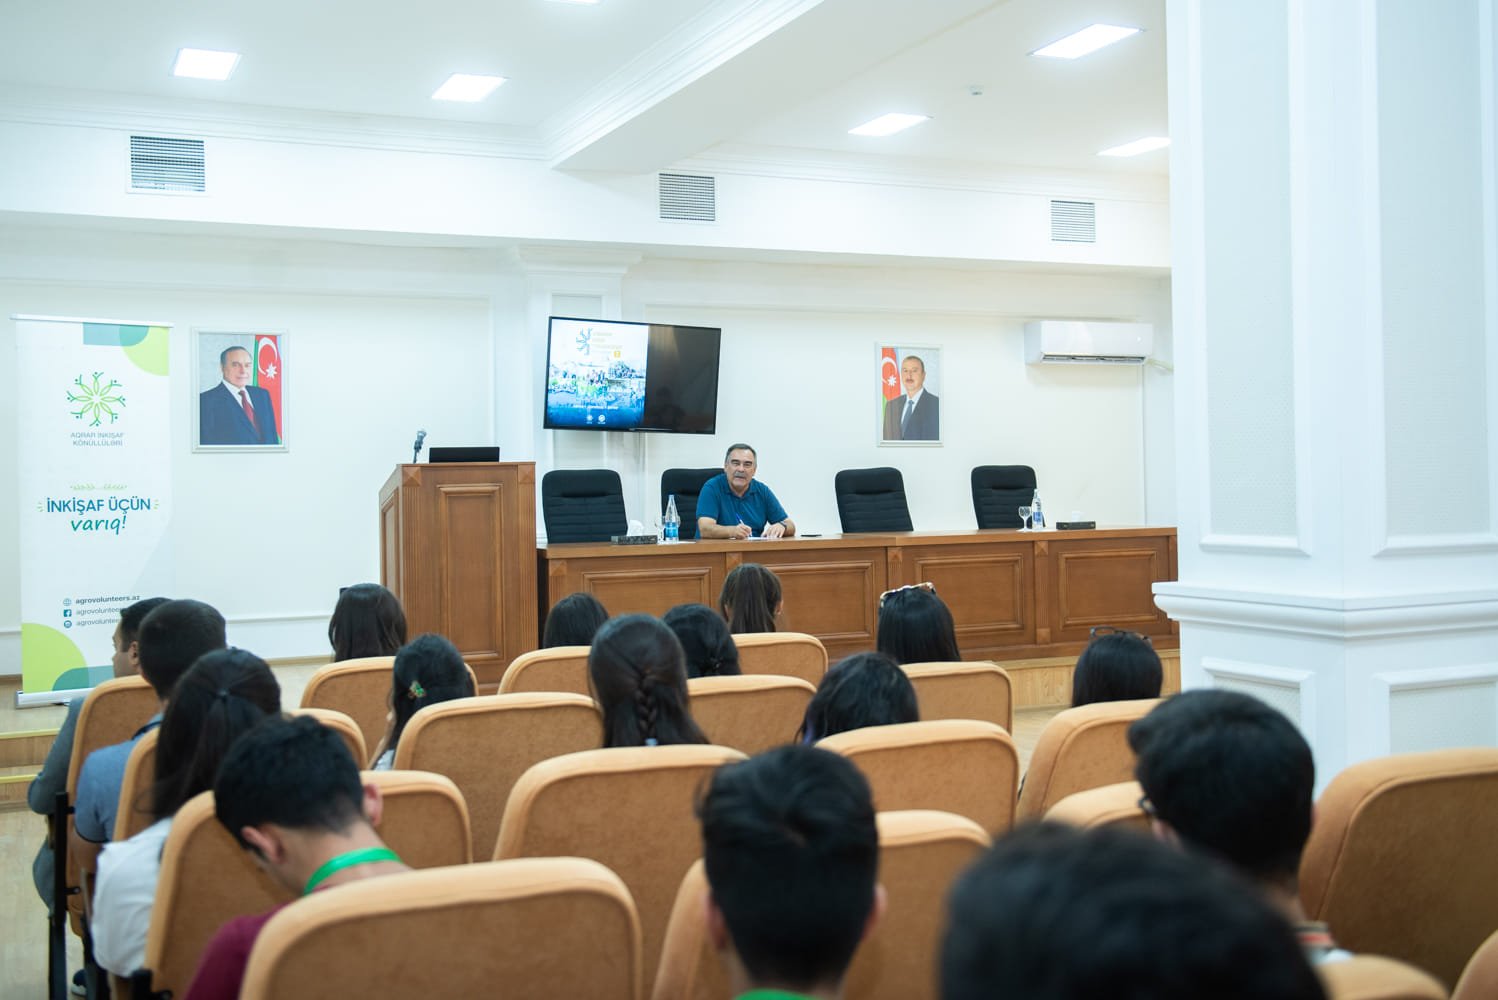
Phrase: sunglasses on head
(1097, 631)
(929, 587)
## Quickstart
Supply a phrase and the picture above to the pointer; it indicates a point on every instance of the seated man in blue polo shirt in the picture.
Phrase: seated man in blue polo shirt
(733, 505)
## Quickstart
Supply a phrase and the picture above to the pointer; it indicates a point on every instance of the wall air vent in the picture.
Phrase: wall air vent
(689, 198)
(161, 164)
(1073, 222)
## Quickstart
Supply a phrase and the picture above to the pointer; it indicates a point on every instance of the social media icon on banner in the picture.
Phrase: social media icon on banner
(67, 612)
(66, 601)
(67, 624)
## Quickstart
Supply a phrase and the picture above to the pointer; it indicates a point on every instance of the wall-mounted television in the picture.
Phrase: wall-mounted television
(605, 375)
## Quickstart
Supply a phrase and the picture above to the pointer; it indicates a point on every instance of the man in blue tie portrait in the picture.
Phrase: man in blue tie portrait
(916, 415)
(235, 412)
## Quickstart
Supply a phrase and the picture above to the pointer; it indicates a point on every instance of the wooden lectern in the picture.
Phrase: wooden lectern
(458, 547)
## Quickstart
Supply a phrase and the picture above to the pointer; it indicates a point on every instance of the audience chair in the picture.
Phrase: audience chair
(526, 930)
(872, 500)
(485, 744)
(582, 505)
(1480, 978)
(750, 713)
(344, 725)
(789, 654)
(424, 818)
(1080, 748)
(999, 491)
(558, 669)
(359, 689)
(961, 766)
(1373, 977)
(134, 811)
(1110, 805)
(1402, 860)
(686, 485)
(630, 808)
(963, 690)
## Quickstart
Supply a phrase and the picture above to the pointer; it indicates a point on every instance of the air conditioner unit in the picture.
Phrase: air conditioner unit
(1087, 342)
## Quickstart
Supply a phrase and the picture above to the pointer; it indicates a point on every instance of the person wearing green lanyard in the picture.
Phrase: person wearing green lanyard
(290, 793)
(791, 851)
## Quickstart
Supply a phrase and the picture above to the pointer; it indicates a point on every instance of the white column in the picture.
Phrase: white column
(1335, 280)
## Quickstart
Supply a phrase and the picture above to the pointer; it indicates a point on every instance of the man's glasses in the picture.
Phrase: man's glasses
(929, 587)
(1098, 631)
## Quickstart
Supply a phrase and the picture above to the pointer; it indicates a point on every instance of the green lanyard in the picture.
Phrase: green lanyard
(363, 856)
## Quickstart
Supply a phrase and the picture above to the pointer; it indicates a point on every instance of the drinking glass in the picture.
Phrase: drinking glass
(1024, 519)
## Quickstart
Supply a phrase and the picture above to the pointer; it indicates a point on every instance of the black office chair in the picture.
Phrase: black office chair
(583, 505)
(999, 491)
(872, 500)
(686, 484)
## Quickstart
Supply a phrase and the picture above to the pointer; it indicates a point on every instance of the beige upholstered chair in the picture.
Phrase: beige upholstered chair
(1110, 805)
(961, 766)
(345, 726)
(1372, 977)
(963, 690)
(790, 654)
(485, 744)
(424, 819)
(630, 808)
(536, 928)
(1403, 860)
(359, 689)
(750, 713)
(1080, 748)
(134, 812)
(1480, 978)
(560, 668)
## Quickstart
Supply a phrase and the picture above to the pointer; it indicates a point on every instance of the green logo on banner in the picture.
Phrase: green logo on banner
(98, 399)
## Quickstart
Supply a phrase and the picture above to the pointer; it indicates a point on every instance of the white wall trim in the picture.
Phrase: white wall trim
(1302, 682)
(1384, 685)
(1330, 617)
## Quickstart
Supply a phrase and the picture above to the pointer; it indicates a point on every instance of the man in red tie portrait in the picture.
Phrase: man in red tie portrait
(233, 411)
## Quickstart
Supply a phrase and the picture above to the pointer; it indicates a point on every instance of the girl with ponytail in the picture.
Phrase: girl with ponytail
(638, 675)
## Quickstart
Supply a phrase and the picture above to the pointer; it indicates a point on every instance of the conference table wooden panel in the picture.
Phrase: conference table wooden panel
(1013, 594)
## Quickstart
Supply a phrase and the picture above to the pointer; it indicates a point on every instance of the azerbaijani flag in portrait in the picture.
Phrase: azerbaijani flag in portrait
(268, 373)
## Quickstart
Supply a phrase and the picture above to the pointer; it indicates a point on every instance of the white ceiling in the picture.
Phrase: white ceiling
(631, 85)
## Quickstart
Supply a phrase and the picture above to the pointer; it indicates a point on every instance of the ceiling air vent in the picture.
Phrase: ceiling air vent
(161, 164)
(689, 198)
(1073, 222)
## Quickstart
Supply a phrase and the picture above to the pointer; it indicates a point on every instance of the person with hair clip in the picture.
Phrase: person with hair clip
(865, 689)
(750, 599)
(224, 695)
(428, 671)
(915, 626)
(638, 676)
(367, 621)
(1116, 666)
(573, 621)
(705, 639)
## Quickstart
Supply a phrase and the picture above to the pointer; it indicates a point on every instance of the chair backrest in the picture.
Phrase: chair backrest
(1480, 978)
(532, 929)
(1373, 977)
(962, 690)
(134, 812)
(920, 854)
(424, 819)
(1402, 860)
(1110, 805)
(1080, 748)
(630, 808)
(750, 713)
(359, 689)
(872, 500)
(558, 669)
(582, 505)
(961, 766)
(789, 654)
(686, 485)
(485, 744)
(344, 725)
(999, 491)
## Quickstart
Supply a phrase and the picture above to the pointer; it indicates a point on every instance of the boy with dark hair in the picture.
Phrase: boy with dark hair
(289, 792)
(1055, 913)
(791, 851)
(1225, 774)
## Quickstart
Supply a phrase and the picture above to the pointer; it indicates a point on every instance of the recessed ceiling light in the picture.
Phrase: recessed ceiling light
(1137, 146)
(888, 124)
(467, 87)
(205, 64)
(1088, 40)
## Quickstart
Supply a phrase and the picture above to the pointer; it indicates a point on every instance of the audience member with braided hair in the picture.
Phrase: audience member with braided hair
(750, 599)
(428, 670)
(705, 639)
(638, 675)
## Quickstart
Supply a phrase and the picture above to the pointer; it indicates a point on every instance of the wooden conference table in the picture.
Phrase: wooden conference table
(1013, 594)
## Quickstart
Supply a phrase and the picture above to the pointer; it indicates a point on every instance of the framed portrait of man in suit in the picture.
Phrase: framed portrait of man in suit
(909, 395)
(239, 380)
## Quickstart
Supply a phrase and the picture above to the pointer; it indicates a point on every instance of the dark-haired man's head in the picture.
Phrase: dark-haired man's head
(791, 851)
(1056, 913)
(171, 638)
(1229, 776)
(126, 660)
(865, 689)
(573, 621)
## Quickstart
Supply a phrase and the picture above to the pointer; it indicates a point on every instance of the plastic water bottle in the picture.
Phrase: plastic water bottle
(671, 523)
(1037, 517)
